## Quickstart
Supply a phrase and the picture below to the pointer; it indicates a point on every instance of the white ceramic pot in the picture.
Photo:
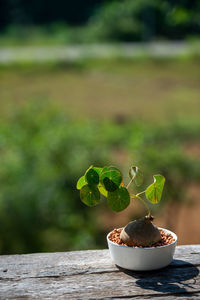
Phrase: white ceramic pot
(142, 259)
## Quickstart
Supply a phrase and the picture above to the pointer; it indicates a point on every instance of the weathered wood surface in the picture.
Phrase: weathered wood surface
(92, 275)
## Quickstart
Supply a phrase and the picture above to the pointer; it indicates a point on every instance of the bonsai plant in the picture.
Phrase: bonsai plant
(140, 245)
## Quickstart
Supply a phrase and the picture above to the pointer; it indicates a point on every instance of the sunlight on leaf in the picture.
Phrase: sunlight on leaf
(98, 170)
(102, 190)
(81, 182)
(154, 191)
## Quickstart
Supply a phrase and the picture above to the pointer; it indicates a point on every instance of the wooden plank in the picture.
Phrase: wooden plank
(91, 274)
(55, 264)
(113, 284)
(77, 262)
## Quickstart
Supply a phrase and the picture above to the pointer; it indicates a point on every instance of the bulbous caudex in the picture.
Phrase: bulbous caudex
(141, 232)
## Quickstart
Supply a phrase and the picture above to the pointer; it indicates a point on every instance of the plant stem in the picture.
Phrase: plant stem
(138, 196)
(140, 193)
(130, 181)
(142, 200)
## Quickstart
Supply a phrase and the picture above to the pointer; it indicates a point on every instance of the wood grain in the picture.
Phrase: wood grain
(92, 275)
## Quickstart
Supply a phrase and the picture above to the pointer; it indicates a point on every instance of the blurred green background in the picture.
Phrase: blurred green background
(58, 117)
(60, 22)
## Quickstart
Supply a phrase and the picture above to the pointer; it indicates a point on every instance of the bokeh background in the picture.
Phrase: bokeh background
(103, 83)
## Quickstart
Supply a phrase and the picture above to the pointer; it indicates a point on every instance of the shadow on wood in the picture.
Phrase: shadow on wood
(167, 280)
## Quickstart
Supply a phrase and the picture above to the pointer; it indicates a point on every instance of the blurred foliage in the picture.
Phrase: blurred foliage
(42, 154)
(146, 20)
(33, 22)
(53, 34)
(46, 12)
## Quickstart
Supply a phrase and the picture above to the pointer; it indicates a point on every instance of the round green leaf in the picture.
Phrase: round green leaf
(81, 182)
(136, 175)
(90, 195)
(119, 199)
(92, 177)
(154, 192)
(110, 178)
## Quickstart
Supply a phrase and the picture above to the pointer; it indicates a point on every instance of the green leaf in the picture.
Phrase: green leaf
(81, 182)
(90, 195)
(119, 199)
(102, 190)
(154, 191)
(92, 176)
(89, 169)
(98, 170)
(136, 175)
(110, 178)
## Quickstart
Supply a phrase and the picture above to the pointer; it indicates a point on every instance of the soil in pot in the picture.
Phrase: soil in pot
(166, 239)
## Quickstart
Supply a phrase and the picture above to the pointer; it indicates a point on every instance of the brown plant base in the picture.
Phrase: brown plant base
(166, 239)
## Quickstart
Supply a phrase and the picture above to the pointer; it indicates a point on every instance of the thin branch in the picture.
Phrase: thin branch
(130, 181)
(140, 193)
(142, 200)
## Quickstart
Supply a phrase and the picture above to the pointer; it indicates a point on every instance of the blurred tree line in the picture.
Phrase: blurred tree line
(42, 154)
(40, 12)
(103, 20)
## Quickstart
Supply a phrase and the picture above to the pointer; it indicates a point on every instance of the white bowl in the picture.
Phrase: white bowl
(142, 259)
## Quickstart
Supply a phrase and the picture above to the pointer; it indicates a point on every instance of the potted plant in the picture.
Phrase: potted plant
(140, 245)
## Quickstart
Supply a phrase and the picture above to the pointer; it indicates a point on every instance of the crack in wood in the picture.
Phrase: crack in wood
(90, 272)
(153, 295)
